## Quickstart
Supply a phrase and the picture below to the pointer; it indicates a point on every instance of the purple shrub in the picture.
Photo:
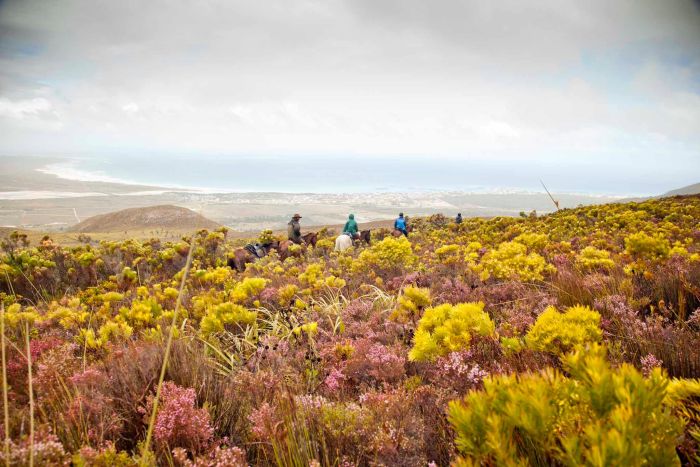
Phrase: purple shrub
(649, 362)
(179, 422)
(219, 456)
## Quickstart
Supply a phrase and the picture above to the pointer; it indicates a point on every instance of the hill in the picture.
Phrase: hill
(686, 190)
(152, 217)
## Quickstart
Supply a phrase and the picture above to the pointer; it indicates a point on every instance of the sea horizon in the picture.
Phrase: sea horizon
(313, 174)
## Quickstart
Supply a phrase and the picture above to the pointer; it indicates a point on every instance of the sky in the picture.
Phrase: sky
(599, 82)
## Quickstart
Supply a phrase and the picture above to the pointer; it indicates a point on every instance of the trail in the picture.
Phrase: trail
(75, 213)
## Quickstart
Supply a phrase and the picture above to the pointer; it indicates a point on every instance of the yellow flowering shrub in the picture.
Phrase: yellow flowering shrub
(142, 312)
(286, 294)
(449, 254)
(266, 236)
(15, 316)
(248, 288)
(226, 315)
(307, 329)
(113, 330)
(389, 253)
(449, 328)
(410, 304)
(216, 276)
(533, 241)
(591, 258)
(312, 274)
(69, 317)
(512, 261)
(557, 332)
(595, 416)
(642, 245)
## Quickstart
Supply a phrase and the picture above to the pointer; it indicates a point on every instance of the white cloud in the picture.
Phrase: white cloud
(453, 78)
(25, 108)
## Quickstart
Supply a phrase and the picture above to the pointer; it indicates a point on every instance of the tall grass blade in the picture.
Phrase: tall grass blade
(152, 420)
(31, 396)
(6, 409)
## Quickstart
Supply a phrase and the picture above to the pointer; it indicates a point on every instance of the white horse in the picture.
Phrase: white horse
(343, 242)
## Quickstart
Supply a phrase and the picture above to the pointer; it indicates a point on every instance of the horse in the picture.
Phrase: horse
(343, 242)
(398, 233)
(308, 239)
(243, 256)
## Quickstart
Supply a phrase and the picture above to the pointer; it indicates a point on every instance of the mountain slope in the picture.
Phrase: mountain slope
(686, 190)
(152, 217)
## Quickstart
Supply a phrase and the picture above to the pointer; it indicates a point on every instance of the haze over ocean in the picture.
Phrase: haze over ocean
(352, 174)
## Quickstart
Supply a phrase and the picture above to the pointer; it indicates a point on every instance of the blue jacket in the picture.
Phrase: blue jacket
(400, 223)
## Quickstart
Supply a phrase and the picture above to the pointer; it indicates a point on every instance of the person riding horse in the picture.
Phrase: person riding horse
(401, 224)
(294, 230)
(351, 229)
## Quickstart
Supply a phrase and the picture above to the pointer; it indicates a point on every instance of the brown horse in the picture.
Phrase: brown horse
(308, 239)
(365, 236)
(398, 233)
(243, 256)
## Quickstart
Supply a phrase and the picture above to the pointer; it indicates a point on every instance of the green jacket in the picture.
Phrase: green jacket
(350, 225)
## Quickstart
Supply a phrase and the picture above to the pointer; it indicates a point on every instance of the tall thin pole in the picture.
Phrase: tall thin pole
(556, 203)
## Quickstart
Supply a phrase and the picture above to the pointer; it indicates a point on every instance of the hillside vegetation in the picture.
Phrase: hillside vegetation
(152, 217)
(686, 190)
(566, 339)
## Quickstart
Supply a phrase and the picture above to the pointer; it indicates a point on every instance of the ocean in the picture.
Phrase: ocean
(352, 174)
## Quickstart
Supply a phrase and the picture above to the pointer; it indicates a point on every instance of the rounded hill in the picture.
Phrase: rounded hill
(151, 217)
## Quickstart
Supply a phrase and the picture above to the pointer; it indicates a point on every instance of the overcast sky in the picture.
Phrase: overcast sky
(594, 81)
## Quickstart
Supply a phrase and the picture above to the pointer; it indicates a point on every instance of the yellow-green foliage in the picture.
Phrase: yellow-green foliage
(112, 297)
(313, 273)
(533, 241)
(113, 330)
(142, 312)
(266, 237)
(226, 314)
(645, 246)
(286, 294)
(215, 276)
(308, 329)
(389, 253)
(560, 332)
(16, 317)
(449, 328)
(593, 258)
(250, 287)
(512, 261)
(411, 304)
(69, 317)
(596, 416)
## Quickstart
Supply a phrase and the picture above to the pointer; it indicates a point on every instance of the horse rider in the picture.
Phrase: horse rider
(351, 229)
(401, 224)
(294, 230)
(458, 219)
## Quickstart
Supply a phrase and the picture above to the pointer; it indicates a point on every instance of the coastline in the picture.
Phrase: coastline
(34, 197)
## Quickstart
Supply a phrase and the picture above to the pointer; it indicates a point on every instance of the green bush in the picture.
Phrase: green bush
(596, 416)
(560, 332)
(449, 328)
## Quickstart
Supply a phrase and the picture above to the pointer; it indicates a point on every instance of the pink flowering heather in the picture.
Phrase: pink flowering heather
(334, 380)
(220, 456)
(179, 422)
(263, 422)
(91, 408)
(47, 451)
(649, 363)
(386, 364)
(458, 371)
